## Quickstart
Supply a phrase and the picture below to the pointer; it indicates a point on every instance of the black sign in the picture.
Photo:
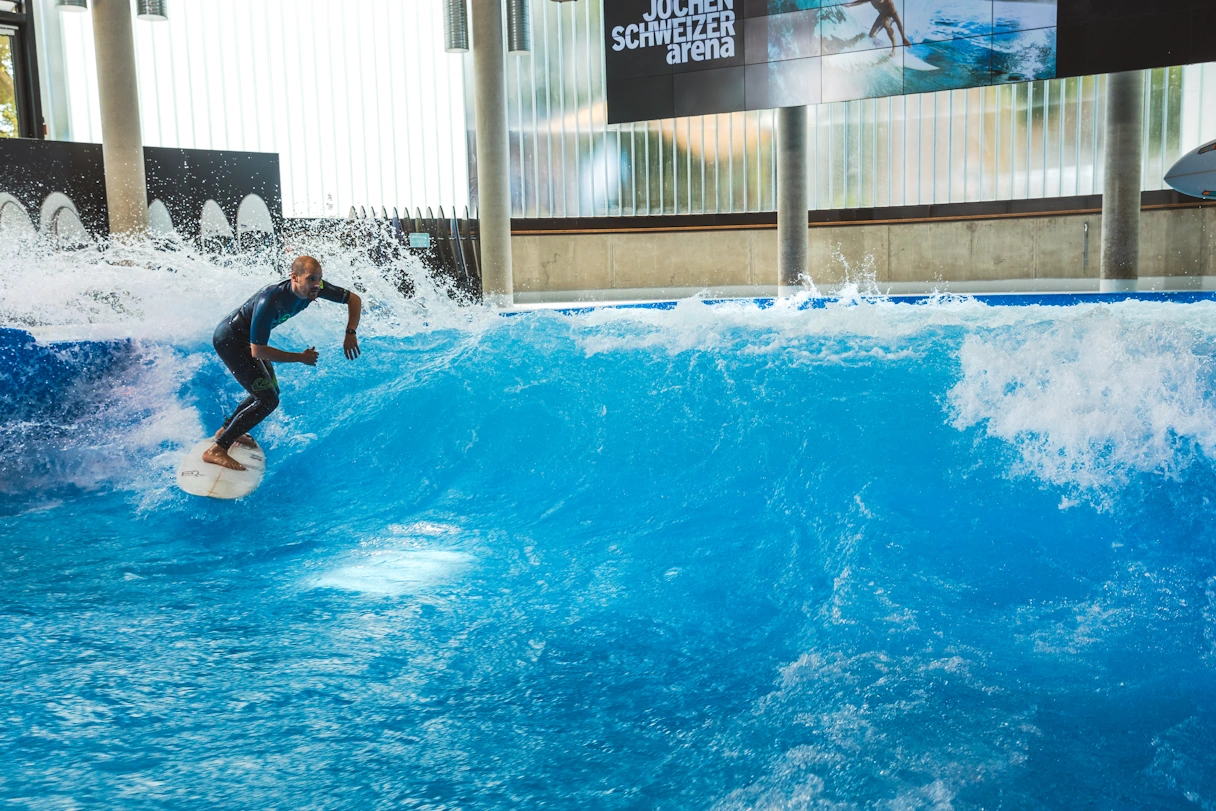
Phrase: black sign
(669, 58)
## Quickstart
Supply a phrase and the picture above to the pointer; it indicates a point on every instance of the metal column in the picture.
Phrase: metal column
(1121, 182)
(793, 200)
(122, 145)
(493, 151)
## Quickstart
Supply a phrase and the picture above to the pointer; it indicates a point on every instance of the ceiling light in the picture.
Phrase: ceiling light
(152, 10)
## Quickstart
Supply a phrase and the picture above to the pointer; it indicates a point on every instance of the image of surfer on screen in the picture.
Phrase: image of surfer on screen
(242, 340)
(886, 15)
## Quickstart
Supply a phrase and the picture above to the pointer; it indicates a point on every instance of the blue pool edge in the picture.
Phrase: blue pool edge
(1066, 299)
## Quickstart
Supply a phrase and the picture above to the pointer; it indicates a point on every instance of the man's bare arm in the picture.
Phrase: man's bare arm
(354, 308)
(350, 345)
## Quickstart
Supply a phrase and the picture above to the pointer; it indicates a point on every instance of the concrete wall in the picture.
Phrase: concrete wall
(1177, 251)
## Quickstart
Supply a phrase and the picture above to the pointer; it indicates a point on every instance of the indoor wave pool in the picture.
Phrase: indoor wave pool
(718, 556)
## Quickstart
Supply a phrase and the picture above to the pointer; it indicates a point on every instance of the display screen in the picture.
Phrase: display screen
(669, 58)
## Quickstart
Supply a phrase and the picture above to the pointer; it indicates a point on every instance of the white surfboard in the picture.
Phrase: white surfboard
(199, 478)
(916, 63)
(1195, 172)
(910, 60)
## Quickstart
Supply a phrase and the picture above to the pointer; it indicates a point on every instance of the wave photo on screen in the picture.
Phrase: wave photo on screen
(969, 43)
(793, 52)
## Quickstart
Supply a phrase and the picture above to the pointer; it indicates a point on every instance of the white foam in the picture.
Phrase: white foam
(178, 296)
(394, 572)
(787, 326)
(125, 432)
(1093, 397)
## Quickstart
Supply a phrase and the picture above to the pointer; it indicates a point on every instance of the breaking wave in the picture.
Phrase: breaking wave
(871, 555)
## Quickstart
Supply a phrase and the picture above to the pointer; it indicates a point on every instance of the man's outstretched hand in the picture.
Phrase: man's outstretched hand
(309, 356)
(351, 347)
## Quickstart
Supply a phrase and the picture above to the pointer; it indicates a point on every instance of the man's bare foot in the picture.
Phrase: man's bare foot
(218, 456)
(243, 439)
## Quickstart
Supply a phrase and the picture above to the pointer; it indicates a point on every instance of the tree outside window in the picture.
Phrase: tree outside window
(8, 94)
(7, 90)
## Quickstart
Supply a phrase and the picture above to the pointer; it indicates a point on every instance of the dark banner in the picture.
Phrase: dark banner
(670, 58)
(183, 179)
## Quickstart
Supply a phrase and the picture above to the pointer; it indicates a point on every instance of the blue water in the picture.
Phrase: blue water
(874, 556)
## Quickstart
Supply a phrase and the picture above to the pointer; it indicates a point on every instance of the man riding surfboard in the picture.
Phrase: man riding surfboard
(242, 341)
(886, 15)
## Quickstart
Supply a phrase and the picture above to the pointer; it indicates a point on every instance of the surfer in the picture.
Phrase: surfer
(886, 15)
(242, 341)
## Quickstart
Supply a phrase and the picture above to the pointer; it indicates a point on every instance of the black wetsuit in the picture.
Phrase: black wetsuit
(251, 324)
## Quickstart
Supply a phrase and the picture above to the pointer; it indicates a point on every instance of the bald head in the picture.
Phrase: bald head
(306, 277)
(305, 265)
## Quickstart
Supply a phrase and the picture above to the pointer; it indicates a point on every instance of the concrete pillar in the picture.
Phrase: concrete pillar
(793, 200)
(1121, 181)
(122, 140)
(493, 151)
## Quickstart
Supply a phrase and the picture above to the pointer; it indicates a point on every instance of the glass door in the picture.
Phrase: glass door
(10, 124)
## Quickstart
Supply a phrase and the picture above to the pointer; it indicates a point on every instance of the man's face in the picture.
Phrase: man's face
(307, 284)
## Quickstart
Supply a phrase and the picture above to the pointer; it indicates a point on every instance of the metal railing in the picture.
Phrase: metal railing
(450, 249)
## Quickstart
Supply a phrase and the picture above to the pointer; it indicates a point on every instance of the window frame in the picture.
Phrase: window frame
(25, 68)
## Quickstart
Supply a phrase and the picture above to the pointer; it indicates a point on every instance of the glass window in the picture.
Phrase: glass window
(9, 127)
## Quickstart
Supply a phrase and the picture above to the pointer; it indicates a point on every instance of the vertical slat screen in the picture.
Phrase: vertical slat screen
(359, 98)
